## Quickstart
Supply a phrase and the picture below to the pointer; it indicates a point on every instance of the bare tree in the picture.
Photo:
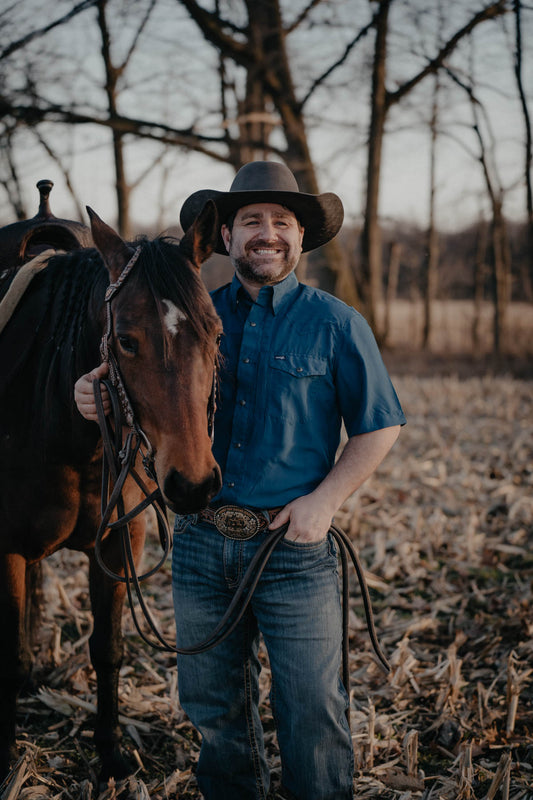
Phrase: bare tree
(113, 74)
(501, 254)
(370, 285)
(527, 275)
(432, 257)
(480, 270)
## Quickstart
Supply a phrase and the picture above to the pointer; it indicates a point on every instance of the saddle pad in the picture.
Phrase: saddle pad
(20, 283)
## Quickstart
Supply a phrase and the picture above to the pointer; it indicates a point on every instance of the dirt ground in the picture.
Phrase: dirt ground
(445, 532)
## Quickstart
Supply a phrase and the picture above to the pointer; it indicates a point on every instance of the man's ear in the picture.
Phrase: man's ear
(226, 236)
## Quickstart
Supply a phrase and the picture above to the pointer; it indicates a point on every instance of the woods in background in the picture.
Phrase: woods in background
(322, 85)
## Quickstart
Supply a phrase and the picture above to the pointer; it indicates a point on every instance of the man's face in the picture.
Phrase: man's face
(265, 242)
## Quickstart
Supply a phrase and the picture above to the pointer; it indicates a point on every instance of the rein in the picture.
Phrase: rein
(119, 461)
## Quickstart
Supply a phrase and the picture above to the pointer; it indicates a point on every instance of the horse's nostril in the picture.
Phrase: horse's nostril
(185, 497)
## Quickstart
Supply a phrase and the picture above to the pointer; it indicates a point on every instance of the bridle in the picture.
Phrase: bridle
(119, 456)
(115, 377)
(119, 461)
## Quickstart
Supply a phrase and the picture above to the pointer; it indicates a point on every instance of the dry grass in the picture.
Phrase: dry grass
(453, 324)
(445, 530)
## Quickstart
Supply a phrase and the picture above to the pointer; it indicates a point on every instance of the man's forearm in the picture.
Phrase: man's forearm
(361, 456)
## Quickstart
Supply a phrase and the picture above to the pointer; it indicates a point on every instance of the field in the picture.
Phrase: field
(445, 531)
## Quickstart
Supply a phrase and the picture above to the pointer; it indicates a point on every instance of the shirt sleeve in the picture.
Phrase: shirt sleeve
(366, 396)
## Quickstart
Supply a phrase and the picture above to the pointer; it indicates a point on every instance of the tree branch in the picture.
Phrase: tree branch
(349, 47)
(33, 114)
(212, 27)
(490, 12)
(85, 4)
(140, 29)
(302, 16)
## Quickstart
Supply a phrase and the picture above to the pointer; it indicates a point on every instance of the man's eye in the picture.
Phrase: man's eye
(128, 345)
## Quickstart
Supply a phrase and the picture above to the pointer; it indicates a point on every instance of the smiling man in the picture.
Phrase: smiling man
(296, 364)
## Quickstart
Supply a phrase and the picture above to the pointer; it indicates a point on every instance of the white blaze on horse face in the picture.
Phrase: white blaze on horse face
(173, 316)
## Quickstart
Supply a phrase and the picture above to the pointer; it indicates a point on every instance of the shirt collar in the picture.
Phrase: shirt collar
(273, 296)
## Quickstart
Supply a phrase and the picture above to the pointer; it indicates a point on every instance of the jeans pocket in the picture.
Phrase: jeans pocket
(326, 547)
(305, 545)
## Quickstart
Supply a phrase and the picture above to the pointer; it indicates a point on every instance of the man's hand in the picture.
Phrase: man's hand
(84, 394)
(308, 518)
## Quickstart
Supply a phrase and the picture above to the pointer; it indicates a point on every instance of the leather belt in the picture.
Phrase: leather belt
(236, 522)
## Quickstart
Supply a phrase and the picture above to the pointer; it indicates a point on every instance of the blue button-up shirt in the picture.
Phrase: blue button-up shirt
(295, 364)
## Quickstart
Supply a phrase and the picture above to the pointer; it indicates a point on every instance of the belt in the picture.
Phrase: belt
(236, 522)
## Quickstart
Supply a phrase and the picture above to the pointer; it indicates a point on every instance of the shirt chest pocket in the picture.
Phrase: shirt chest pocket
(299, 386)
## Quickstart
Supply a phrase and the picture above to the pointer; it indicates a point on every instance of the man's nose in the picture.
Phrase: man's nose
(267, 230)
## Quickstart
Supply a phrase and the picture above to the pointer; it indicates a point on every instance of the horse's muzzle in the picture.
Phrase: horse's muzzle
(184, 497)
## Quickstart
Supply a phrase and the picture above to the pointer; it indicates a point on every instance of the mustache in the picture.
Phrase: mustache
(266, 243)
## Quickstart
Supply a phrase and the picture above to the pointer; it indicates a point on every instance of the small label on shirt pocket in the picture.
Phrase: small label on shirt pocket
(301, 366)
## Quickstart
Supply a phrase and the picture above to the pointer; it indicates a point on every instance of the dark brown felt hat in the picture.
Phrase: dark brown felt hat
(270, 182)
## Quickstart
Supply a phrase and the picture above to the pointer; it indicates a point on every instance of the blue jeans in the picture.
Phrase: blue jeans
(296, 607)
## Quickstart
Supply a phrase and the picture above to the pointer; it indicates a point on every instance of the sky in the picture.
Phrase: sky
(339, 153)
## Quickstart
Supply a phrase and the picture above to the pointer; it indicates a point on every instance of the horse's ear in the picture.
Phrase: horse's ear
(115, 252)
(199, 241)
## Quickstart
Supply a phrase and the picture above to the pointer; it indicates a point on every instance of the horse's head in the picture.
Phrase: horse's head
(164, 335)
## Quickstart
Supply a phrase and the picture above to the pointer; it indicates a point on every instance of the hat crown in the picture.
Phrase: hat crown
(264, 176)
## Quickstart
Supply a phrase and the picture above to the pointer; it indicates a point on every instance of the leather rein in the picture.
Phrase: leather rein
(118, 461)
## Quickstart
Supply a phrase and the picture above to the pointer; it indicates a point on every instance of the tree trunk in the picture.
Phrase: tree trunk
(527, 273)
(270, 69)
(431, 266)
(392, 286)
(479, 284)
(112, 75)
(502, 274)
(370, 282)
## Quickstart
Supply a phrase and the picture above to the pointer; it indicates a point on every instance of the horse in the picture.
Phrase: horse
(164, 333)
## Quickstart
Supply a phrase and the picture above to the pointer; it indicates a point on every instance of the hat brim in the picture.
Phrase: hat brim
(320, 215)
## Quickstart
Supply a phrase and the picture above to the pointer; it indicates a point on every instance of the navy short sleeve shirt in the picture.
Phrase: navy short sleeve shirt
(296, 363)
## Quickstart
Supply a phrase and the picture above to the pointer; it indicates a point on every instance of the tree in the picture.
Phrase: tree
(501, 256)
(113, 74)
(258, 46)
(382, 100)
(527, 275)
(432, 259)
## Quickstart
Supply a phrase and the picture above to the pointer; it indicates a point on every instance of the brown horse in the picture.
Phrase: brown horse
(164, 335)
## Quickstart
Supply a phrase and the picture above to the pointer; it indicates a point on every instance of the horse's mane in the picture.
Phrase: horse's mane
(72, 295)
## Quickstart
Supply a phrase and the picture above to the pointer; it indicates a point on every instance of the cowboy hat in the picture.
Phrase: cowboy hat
(270, 182)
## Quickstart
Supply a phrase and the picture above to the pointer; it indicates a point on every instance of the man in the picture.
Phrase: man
(296, 363)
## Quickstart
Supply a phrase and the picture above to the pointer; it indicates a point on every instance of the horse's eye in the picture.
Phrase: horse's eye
(128, 344)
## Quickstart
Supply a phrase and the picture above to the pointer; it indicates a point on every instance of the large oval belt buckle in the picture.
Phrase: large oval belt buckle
(235, 522)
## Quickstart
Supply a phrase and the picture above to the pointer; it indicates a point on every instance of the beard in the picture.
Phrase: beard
(251, 268)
